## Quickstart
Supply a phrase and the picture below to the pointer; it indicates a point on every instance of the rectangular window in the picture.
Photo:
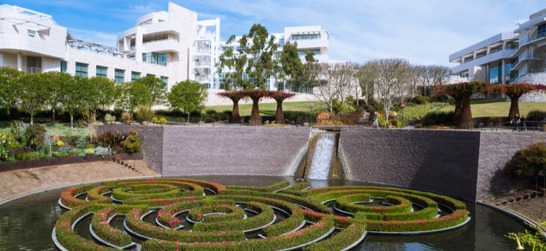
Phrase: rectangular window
(64, 66)
(31, 33)
(81, 70)
(165, 80)
(494, 75)
(541, 31)
(159, 59)
(102, 71)
(306, 36)
(135, 75)
(119, 76)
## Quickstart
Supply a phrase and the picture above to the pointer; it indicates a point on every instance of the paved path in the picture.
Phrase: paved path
(22, 182)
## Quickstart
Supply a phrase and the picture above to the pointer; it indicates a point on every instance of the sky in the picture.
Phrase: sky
(424, 32)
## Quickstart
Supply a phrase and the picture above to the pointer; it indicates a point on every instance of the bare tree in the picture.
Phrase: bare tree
(429, 76)
(365, 76)
(439, 74)
(390, 77)
(335, 82)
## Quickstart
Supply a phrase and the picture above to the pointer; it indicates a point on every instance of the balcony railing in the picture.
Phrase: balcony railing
(34, 70)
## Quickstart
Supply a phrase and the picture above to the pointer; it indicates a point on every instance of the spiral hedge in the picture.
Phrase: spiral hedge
(188, 214)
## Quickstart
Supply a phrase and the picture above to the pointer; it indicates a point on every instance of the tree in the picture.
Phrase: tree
(290, 62)
(231, 67)
(54, 88)
(187, 96)
(514, 92)
(235, 97)
(335, 82)
(75, 96)
(9, 87)
(132, 95)
(390, 78)
(33, 94)
(307, 76)
(101, 93)
(255, 96)
(462, 92)
(280, 97)
(156, 89)
(429, 76)
(365, 77)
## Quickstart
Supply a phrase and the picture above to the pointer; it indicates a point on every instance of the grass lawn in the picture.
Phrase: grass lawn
(499, 108)
(269, 108)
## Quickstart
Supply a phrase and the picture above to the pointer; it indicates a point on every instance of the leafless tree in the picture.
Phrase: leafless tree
(365, 78)
(336, 81)
(428, 77)
(391, 78)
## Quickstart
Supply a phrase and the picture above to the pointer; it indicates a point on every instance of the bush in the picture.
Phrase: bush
(126, 118)
(442, 98)
(437, 118)
(35, 135)
(6, 142)
(529, 161)
(111, 139)
(109, 118)
(144, 113)
(420, 100)
(536, 115)
(132, 142)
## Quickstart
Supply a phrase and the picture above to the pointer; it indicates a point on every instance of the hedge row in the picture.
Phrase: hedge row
(101, 227)
(341, 240)
(314, 205)
(271, 188)
(266, 215)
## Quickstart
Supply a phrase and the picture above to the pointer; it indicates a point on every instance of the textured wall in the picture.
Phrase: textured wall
(496, 149)
(440, 161)
(233, 150)
(152, 138)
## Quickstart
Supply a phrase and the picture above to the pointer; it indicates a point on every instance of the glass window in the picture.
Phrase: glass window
(102, 71)
(81, 70)
(119, 76)
(508, 70)
(64, 66)
(541, 31)
(494, 74)
(135, 75)
(305, 36)
(165, 80)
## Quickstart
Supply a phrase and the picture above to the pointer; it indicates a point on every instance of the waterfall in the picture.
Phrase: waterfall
(322, 157)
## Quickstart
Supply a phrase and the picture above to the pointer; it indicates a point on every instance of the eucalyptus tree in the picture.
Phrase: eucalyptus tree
(32, 94)
(290, 62)
(187, 96)
(9, 88)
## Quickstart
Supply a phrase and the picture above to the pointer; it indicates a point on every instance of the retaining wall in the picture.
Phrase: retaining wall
(233, 150)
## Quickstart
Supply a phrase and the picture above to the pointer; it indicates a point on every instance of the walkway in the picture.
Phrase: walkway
(22, 182)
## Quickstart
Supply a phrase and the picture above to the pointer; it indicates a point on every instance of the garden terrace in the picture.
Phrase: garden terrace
(179, 213)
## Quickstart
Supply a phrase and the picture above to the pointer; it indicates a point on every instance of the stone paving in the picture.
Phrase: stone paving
(22, 182)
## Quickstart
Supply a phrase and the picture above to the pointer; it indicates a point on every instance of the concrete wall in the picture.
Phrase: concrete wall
(228, 150)
(440, 161)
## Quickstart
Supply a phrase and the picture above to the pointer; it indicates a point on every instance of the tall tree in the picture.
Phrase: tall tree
(32, 94)
(290, 62)
(74, 96)
(337, 81)
(307, 76)
(187, 96)
(9, 87)
(232, 74)
(54, 88)
(390, 77)
(157, 89)
(133, 94)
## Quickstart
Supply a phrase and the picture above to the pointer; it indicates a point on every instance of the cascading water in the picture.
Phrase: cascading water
(322, 157)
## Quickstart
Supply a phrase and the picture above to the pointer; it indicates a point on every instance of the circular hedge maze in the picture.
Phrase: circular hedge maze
(188, 214)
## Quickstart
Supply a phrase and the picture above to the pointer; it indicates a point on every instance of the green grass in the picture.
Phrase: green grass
(499, 108)
(413, 112)
(269, 108)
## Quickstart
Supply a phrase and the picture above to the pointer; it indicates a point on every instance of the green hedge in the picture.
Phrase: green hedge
(106, 232)
(340, 240)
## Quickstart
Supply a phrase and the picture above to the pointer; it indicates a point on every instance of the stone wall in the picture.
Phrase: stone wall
(497, 148)
(233, 150)
(439, 161)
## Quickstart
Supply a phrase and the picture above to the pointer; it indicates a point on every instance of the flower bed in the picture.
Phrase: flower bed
(101, 227)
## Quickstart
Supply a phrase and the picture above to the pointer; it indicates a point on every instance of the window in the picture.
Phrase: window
(101, 71)
(119, 76)
(64, 66)
(494, 74)
(541, 31)
(306, 36)
(155, 58)
(508, 70)
(165, 80)
(281, 42)
(135, 75)
(81, 70)
(31, 33)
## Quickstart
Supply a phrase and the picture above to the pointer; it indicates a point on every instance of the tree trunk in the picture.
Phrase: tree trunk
(457, 115)
(31, 119)
(514, 106)
(188, 121)
(9, 113)
(235, 117)
(71, 121)
(255, 118)
(279, 115)
(466, 114)
(53, 111)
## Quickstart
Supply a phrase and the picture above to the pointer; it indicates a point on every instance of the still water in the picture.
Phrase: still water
(26, 223)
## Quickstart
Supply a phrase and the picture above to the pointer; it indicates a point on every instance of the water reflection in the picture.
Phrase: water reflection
(26, 224)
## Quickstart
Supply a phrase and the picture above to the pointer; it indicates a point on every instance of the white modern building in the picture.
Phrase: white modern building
(172, 45)
(508, 57)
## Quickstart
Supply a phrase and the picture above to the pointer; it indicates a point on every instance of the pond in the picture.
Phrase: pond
(26, 223)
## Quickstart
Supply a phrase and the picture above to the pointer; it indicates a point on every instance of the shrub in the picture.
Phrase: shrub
(35, 135)
(420, 100)
(111, 139)
(17, 128)
(109, 118)
(144, 113)
(437, 118)
(126, 118)
(536, 115)
(81, 142)
(6, 142)
(132, 143)
(529, 161)
(442, 98)
(101, 150)
(162, 121)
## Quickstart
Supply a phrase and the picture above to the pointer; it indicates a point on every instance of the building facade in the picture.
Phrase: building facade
(508, 57)
(172, 45)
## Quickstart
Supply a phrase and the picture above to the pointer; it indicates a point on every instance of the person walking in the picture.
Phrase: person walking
(375, 120)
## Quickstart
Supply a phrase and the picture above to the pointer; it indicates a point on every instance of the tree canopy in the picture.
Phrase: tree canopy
(187, 96)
